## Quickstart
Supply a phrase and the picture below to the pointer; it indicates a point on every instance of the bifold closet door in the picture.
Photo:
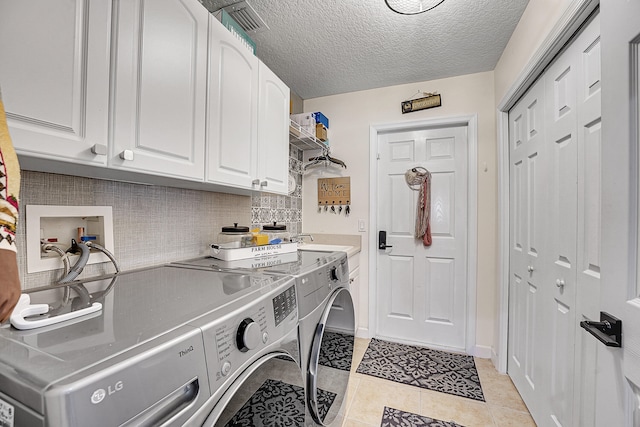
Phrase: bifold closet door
(572, 287)
(558, 305)
(555, 235)
(528, 194)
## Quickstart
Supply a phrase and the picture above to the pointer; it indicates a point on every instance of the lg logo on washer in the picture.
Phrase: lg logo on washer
(99, 395)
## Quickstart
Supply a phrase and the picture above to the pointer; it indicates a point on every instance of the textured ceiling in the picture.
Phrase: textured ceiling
(328, 47)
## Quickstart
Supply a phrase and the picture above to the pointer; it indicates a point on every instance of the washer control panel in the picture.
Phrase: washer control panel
(232, 340)
(284, 304)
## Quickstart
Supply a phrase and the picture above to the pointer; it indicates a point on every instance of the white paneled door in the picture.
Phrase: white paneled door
(527, 220)
(422, 291)
(618, 369)
(555, 237)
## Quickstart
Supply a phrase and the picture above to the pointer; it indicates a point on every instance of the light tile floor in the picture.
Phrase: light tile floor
(369, 395)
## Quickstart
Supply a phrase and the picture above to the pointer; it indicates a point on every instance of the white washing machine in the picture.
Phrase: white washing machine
(326, 327)
(167, 349)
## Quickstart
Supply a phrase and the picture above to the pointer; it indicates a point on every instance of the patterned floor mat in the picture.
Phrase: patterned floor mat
(277, 403)
(422, 367)
(397, 418)
(336, 350)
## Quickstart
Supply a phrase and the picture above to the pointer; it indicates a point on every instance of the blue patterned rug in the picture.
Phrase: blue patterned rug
(423, 367)
(397, 418)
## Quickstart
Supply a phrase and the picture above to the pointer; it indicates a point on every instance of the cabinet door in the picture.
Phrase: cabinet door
(160, 87)
(54, 74)
(273, 133)
(232, 110)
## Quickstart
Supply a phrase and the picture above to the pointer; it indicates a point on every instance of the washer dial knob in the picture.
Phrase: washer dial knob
(248, 336)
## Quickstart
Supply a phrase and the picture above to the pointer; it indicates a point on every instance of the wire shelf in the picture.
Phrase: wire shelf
(302, 139)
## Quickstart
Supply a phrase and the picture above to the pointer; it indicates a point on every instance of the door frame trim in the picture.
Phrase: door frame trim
(471, 122)
(571, 20)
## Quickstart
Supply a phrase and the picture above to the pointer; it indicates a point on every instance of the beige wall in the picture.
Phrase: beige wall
(350, 116)
(296, 103)
(535, 24)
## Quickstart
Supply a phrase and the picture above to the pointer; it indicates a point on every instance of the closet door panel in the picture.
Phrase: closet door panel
(528, 158)
(560, 86)
(589, 220)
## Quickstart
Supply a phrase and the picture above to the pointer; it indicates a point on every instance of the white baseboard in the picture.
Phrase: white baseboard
(483, 352)
(362, 333)
(495, 359)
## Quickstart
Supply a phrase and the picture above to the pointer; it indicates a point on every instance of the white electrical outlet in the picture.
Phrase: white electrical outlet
(361, 226)
(58, 225)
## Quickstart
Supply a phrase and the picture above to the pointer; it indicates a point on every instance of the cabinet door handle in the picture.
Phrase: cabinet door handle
(126, 155)
(255, 182)
(560, 283)
(530, 269)
(99, 149)
(263, 183)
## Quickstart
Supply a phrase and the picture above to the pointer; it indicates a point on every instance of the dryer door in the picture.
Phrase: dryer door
(331, 358)
(270, 392)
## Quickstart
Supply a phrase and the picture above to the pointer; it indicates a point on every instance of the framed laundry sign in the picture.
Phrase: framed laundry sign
(334, 191)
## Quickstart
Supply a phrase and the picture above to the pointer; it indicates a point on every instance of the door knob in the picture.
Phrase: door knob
(382, 240)
(530, 269)
(608, 330)
(560, 283)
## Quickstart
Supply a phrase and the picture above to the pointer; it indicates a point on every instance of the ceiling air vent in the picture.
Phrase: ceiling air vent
(246, 17)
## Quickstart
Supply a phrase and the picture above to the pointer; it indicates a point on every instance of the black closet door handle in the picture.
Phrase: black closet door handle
(608, 330)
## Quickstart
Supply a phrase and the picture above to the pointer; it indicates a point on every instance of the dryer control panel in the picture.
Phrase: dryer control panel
(316, 285)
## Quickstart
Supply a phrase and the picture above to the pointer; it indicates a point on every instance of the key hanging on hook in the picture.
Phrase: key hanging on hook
(319, 207)
(326, 206)
(340, 208)
(333, 207)
(347, 210)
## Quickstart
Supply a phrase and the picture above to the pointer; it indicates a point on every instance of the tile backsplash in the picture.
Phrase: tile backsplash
(154, 224)
(267, 208)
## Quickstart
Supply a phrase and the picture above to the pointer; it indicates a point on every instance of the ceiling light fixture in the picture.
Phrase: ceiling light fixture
(412, 7)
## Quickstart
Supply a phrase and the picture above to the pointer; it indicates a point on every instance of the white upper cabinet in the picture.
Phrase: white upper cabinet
(233, 110)
(159, 87)
(273, 132)
(54, 73)
(146, 90)
(248, 118)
